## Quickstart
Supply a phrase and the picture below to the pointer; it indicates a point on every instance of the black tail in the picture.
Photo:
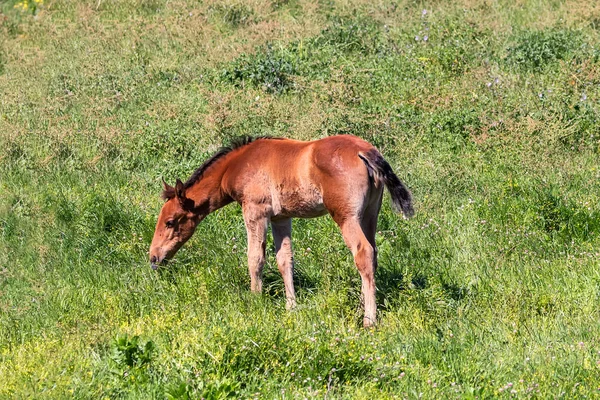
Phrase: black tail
(380, 171)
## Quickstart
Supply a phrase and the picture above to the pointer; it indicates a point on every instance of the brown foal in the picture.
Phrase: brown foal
(275, 180)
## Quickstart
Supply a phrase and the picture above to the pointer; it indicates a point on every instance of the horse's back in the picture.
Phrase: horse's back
(288, 159)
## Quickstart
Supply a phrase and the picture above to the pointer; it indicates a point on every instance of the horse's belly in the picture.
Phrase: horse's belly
(302, 202)
(311, 211)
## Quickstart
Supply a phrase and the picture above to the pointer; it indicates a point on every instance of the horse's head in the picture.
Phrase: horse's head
(176, 223)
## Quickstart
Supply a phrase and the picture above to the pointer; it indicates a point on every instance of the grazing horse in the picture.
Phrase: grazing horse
(275, 180)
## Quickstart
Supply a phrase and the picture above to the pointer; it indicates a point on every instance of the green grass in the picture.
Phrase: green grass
(489, 111)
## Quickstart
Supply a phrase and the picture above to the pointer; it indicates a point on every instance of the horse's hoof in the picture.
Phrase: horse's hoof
(368, 322)
(290, 304)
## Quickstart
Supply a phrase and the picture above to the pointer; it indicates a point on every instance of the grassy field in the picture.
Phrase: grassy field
(489, 111)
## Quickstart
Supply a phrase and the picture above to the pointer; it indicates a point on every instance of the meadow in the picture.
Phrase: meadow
(487, 110)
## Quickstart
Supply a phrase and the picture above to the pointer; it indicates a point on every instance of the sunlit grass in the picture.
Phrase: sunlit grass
(488, 111)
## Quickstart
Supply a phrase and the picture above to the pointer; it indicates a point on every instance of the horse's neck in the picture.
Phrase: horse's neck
(208, 191)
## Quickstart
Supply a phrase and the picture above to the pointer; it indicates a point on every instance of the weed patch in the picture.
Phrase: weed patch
(454, 127)
(565, 219)
(269, 69)
(129, 352)
(534, 50)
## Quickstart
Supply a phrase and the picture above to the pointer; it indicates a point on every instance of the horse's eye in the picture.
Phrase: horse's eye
(170, 223)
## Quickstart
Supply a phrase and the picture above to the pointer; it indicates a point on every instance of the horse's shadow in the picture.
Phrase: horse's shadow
(273, 283)
(390, 280)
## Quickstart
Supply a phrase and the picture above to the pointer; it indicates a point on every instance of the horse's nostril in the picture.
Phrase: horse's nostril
(153, 259)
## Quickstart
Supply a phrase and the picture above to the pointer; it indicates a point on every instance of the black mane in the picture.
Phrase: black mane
(223, 151)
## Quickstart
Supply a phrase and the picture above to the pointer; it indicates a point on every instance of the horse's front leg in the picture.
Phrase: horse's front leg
(282, 236)
(256, 228)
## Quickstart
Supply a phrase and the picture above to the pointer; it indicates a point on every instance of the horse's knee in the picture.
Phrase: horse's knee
(364, 259)
(284, 257)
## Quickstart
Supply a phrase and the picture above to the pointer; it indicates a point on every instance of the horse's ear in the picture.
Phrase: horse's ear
(180, 190)
(166, 186)
(186, 204)
(168, 190)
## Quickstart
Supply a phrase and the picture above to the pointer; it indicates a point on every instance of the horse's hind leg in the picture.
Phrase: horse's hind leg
(369, 220)
(364, 258)
(256, 228)
(282, 236)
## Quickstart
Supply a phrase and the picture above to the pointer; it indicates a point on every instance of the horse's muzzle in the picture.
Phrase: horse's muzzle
(155, 262)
